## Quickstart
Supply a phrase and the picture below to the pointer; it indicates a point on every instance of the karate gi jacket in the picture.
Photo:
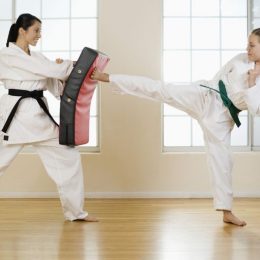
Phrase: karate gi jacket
(18, 70)
(235, 76)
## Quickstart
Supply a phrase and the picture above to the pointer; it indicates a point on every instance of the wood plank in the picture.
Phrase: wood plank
(136, 229)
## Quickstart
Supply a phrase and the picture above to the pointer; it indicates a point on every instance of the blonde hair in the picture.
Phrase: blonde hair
(257, 33)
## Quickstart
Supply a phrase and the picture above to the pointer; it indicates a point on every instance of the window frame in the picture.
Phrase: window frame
(83, 148)
(250, 126)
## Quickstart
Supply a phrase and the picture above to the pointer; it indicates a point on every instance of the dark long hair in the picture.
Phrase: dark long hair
(25, 21)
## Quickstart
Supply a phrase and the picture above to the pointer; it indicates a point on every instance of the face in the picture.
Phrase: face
(253, 48)
(32, 34)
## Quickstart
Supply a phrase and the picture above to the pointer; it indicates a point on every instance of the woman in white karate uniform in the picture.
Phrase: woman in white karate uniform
(242, 84)
(26, 73)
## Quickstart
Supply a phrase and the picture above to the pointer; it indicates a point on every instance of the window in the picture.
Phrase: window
(255, 13)
(67, 27)
(6, 16)
(196, 43)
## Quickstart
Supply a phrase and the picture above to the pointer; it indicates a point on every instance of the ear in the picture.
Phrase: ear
(21, 31)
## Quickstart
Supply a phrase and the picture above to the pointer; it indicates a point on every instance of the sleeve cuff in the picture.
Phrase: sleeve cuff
(252, 97)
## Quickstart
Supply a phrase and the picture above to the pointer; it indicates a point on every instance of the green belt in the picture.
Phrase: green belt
(226, 101)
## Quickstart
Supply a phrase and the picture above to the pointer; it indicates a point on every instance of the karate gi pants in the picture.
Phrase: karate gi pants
(208, 109)
(63, 165)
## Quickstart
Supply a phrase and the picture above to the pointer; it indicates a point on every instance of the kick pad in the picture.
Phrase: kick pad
(77, 96)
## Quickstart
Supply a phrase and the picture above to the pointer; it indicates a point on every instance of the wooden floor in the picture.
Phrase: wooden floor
(129, 229)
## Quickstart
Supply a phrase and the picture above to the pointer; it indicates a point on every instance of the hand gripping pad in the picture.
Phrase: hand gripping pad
(76, 98)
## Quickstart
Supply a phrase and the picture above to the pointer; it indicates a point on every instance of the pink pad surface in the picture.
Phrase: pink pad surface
(82, 112)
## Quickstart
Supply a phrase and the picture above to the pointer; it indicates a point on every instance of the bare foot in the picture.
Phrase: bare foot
(97, 75)
(229, 217)
(88, 219)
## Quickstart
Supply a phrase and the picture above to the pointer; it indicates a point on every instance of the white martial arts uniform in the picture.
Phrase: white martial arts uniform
(31, 125)
(207, 107)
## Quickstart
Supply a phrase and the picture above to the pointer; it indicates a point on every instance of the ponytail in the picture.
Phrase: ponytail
(13, 34)
(23, 21)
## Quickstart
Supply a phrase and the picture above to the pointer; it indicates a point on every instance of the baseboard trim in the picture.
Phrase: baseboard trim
(23, 195)
(122, 195)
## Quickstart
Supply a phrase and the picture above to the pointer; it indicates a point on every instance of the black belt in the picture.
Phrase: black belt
(233, 110)
(36, 94)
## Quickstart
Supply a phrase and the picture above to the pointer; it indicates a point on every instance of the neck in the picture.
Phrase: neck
(23, 45)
